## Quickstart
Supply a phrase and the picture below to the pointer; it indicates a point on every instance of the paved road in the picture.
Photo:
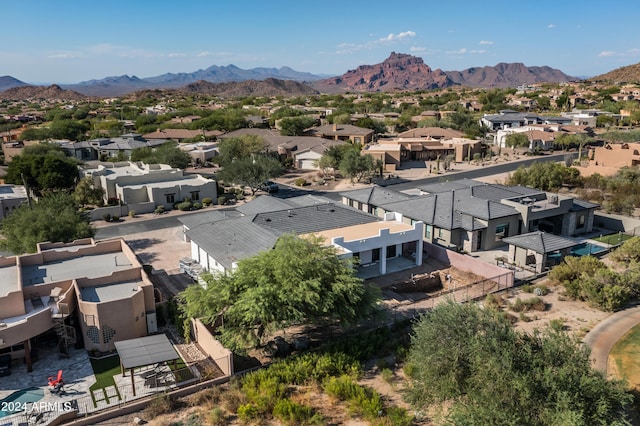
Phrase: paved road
(480, 171)
(603, 337)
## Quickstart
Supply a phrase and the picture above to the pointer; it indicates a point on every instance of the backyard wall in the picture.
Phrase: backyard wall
(468, 264)
(616, 222)
(212, 347)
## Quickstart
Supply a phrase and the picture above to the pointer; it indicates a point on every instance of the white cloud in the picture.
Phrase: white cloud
(465, 51)
(551, 26)
(348, 48)
(417, 49)
(485, 42)
(399, 36)
(65, 55)
(610, 53)
(176, 55)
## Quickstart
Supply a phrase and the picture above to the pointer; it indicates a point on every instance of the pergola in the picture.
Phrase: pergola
(144, 351)
(536, 247)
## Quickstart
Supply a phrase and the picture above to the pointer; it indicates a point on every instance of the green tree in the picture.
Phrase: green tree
(332, 157)
(295, 126)
(298, 281)
(242, 147)
(55, 218)
(516, 140)
(356, 166)
(251, 171)
(44, 167)
(547, 176)
(87, 193)
(471, 359)
(167, 153)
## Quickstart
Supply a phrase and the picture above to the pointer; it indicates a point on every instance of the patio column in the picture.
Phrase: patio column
(383, 260)
(133, 384)
(419, 248)
(27, 356)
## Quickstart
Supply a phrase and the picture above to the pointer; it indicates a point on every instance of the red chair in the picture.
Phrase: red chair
(54, 382)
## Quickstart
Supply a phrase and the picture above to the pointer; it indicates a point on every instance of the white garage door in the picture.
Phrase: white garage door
(307, 164)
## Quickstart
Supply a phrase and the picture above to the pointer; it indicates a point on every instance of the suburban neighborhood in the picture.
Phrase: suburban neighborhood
(393, 246)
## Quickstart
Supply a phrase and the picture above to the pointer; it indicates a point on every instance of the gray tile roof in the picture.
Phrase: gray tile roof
(267, 203)
(450, 185)
(231, 240)
(316, 218)
(197, 219)
(375, 195)
(266, 218)
(540, 242)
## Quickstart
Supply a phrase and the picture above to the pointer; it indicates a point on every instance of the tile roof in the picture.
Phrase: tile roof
(375, 195)
(541, 242)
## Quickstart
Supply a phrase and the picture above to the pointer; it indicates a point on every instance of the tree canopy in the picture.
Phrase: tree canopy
(299, 280)
(547, 176)
(251, 171)
(295, 126)
(242, 147)
(45, 167)
(55, 217)
(356, 166)
(517, 140)
(471, 359)
(167, 153)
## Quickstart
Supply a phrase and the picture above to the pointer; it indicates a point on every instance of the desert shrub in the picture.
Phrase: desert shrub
(527, 288)
(197, 206)
(207, 201)
(397, 416)
(492, 301)
(132, 213)
(217, 417)
(628, 252)
(222, 200)
(247, 412)
(159, 210)
(409, 369)
(532, 304)
(522, 317)
(387, 375)
(541, 290)
(160, 404)
(115, 218)
(300, 181)
(233, 399)
(292, 413)
(557, 324)
(184, 206)
(106, 217)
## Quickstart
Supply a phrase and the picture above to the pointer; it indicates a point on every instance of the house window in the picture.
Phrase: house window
(171, 198)
(427, 232)
(502, 231)
(581, 222)
(357, 140)
(440, 233)
(107, 334)
(93, 334)
(195, 195)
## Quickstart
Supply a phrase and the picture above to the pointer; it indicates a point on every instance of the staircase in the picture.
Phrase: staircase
(66, 333)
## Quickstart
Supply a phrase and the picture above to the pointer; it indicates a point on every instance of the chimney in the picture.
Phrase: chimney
(335, 127)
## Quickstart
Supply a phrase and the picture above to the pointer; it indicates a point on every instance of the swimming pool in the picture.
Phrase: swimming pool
(20, 401)
(585, 249)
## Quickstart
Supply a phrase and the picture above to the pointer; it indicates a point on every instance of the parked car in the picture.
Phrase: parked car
(269, 186)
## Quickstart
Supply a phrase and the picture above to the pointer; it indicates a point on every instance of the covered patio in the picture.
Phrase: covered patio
(145, 351)
(538, 250)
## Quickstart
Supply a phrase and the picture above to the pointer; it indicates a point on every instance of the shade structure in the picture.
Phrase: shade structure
(145, 351)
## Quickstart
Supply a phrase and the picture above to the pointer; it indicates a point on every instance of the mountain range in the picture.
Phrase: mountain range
(397, 72)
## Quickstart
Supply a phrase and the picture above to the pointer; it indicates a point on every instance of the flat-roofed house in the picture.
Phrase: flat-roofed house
(97, 289)
(146, 186)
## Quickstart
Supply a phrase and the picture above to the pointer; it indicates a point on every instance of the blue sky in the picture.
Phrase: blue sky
(67, 41)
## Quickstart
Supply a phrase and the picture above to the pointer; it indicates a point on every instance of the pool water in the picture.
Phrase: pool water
(585, 249)
(20, 399)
